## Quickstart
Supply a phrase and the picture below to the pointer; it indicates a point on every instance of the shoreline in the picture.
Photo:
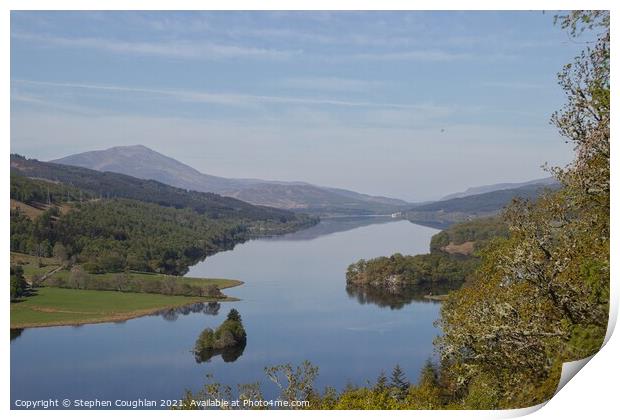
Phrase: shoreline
(438, 298)
(118, 317)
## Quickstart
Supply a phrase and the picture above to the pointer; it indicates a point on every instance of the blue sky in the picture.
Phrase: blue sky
(413, 105)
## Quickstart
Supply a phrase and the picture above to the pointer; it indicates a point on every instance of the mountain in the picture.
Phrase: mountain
(445, 212)
(550, 181)
(141, 162)
(116, 185)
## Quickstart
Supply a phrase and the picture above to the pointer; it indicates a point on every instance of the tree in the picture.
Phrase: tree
(18, 283)
(121, 281)
(399, 383)
(36, 280)
(541, 296)
(295, 384)
(77, 277)
(234, 315)
(60, 252)
(382, 382)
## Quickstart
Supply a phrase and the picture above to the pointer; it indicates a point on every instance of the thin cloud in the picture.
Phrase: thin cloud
(176, 49)
(232, 99)
(55, 105)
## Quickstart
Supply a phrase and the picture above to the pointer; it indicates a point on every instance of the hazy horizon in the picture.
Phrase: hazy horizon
(410, 105)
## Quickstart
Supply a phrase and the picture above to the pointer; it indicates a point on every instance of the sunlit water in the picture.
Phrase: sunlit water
(294, 307)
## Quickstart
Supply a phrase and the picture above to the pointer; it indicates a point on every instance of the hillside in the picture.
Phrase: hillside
(549, 181)
(123, 228)
(141, 162)
(316, 200)
(445, 212)
(115, 185)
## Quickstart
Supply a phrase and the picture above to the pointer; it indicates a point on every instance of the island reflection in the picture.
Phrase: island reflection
(395, 296)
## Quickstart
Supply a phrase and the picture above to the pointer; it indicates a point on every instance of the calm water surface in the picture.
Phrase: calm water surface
(294, 306)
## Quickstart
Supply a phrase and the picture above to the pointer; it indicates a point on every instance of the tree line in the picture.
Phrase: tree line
(78, 278)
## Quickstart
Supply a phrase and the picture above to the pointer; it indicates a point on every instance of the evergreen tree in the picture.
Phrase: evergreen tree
(382, 382)
(18, 283)
(234, 315)
(399, 383)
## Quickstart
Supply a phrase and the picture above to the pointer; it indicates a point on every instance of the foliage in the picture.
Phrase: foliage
(34, 237)
(479, 231)
(438, 268)
(228, 339)
(399, 383)
(18, 283)
(130, 282)
(110, 235)
(417, 270)
(541, 297)
(37, 191)
(433, 271)
(296, 383)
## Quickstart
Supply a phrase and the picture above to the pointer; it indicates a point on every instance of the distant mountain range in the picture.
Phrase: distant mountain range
(444, 212)
(142, 162)
(550, 181)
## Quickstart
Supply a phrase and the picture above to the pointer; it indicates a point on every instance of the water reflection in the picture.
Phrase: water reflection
(332, 225)
(16, 332)
(172, 314)
(229, 354)
(395, 296)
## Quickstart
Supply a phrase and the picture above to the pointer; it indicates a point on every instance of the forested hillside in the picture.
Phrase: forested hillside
(114, 185)
(445, 212)
(115, 234)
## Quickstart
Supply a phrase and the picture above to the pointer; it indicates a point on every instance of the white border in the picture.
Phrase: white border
(592, 394)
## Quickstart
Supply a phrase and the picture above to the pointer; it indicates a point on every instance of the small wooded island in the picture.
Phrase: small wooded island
(452, 259)
(228, 339)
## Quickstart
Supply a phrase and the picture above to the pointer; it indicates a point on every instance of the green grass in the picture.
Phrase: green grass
(55, 306)
(58, 306)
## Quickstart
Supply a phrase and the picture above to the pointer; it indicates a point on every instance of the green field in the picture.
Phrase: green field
(53, 306)
(58, 306)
